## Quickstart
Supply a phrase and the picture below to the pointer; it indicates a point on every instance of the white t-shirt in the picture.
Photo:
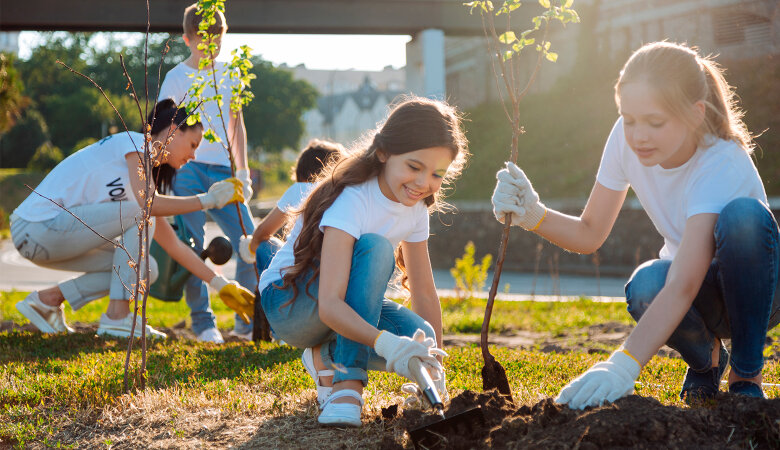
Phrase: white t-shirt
(713, 177)
(293, 196)
(358, 210)
(95, 174)
(176, 84)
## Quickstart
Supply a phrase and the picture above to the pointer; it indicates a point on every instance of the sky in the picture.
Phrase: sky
(328, 52)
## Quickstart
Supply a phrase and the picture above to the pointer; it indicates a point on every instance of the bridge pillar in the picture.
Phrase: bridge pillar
(425, 72)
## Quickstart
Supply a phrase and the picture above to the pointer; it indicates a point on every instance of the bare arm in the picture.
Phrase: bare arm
(166, 237)
(683, 282)
(237, 131)
(584, 234)
(164, 205)
(337, 247)
(267, 228)
(425, 300)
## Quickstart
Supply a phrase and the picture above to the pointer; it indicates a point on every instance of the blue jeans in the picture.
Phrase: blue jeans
(299, 323)
(737, 299)
(265, 253)
(196, 178)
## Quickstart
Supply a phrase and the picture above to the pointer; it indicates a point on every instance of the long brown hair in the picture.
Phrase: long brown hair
(681, 77)
(414, 124)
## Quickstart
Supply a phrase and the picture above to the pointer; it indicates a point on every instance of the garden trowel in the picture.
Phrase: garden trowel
(435, 435)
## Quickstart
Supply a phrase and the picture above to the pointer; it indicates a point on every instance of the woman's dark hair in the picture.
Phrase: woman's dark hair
(315, 157)
(165, 114)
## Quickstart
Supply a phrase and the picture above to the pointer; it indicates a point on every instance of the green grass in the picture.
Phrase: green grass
(53, 387)
(554, 317)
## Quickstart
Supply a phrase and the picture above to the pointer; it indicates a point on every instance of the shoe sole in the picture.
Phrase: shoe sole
(124, 334)
(35, 318)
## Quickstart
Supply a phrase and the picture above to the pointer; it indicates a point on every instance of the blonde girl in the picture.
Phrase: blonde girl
(324, 289)
(681, 145)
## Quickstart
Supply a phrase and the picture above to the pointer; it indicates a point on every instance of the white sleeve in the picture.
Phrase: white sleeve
(421, 230)
(611, 174)
(347, 213)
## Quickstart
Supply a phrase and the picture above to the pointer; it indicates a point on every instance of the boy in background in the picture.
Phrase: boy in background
(211, 164)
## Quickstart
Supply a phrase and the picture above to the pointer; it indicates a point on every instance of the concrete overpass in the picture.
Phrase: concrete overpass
(427, 21)
(246, 16)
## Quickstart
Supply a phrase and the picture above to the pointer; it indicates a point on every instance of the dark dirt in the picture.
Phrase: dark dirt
(632, 422)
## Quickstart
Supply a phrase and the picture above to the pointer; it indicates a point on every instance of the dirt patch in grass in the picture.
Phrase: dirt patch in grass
(632, 422)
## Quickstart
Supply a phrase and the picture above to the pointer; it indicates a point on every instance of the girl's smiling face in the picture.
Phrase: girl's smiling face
(182, 146)
(655, 135)
(410, 177)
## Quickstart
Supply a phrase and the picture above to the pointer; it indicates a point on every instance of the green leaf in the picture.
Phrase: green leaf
(508, 37)
(568, 3)
(545, 3)
(537, 22)
(551, 56)
(507, 55)
(211, 136)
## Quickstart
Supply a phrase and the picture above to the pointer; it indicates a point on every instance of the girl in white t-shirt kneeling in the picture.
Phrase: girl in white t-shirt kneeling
(681, 145)
(324, 290)
(100, 184)
(262, 246)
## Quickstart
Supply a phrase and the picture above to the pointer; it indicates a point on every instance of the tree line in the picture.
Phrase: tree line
(49, 112)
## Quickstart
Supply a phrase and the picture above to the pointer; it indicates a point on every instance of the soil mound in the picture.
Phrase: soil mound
(632, 422)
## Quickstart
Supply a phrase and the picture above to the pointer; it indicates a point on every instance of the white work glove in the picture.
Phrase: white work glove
(397, 350)
(606, 381)
(247, 255)
(220, 194)
(416, 398)
(514, 195)
(245, 178)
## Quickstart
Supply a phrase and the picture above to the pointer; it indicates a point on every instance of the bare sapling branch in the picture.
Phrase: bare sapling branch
(505, 50)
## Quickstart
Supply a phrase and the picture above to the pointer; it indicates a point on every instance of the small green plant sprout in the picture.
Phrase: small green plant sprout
(469, 276)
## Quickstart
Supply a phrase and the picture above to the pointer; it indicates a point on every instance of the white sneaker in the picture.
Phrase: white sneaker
(121, 328)
(211, 335)
(243, 336)
(48, 319)
(342, 414)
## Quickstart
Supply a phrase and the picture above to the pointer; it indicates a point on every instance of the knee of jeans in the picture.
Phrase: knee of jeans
(379, 248)
(641, 290)
(154, 271)
(742, 220)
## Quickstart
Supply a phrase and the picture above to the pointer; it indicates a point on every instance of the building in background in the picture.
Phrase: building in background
(732, 29)
(9, 42)
(351, 102)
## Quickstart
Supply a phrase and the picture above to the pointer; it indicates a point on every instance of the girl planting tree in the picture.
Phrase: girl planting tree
(681, 145)
(93, 185)
(324, 289)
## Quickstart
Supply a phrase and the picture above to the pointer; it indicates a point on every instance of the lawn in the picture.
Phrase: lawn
(67, 390)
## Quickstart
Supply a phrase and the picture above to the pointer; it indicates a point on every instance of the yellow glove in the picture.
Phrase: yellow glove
(236, 297)
(238, 193)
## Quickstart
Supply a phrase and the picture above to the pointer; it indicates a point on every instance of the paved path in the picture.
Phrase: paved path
(20, 274)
